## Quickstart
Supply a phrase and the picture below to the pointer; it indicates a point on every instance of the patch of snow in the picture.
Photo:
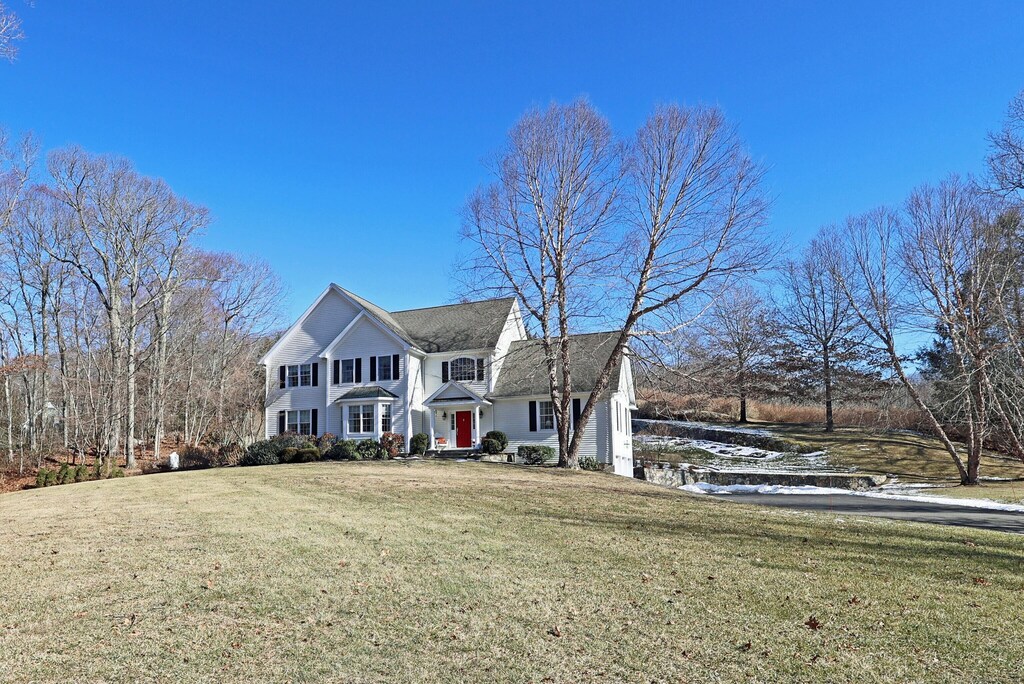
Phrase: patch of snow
(705, 488)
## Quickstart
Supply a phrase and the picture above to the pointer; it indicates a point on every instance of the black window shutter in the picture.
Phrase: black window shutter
(373, 369)
(533, 416)
(312, 423)
(280, 422)
(337, 371)
(480, 370)
(576, 410)
(281, 374)
(444, 372)
(359, 369)
(394, 367)
(316, 373)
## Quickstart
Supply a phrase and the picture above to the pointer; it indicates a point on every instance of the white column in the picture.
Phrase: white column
(431, 427)
(476, 416)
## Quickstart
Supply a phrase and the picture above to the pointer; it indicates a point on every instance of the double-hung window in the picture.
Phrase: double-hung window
(360, 419)
(299, 422)
(383, 367)
(385, 417)
(546, 411)
(348, 370)
(300, 375)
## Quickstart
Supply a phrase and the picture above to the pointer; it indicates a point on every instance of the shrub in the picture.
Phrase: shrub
(192, 457)
(264, 452)
(419, 443)
(535, 454)
(490, 446)
(117, 471)
(81, 473)
(342, 450)
(287, 455)
(326, 441)
(289, 439)
(497, 436)
(65, 475)
(306, 455)
(391, 444)
(590, 463)
(369, 449)
(227, 455)
(43, 476)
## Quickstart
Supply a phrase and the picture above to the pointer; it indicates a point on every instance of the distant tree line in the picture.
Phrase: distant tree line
(117, 332)
(841, 321)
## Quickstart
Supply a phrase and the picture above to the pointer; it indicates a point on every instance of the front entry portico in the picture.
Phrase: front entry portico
(455, 413)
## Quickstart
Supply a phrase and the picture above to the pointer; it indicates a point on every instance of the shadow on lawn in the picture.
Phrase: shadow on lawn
(944, 552)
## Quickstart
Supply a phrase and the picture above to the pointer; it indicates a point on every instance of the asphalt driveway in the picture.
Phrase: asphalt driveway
(897, 509)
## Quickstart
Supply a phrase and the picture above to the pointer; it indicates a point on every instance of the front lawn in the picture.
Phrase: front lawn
(454, 572)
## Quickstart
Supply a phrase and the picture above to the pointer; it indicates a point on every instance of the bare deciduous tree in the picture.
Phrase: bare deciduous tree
(1006, 160)
(580, 226)
(10, 33)
(739, 332)
(818, 317)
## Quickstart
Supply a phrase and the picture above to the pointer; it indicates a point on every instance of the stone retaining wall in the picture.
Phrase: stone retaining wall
(676, 476)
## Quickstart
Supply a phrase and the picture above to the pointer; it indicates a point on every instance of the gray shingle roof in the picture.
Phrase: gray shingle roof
(384, 317)
(370, 392)
(524, 372)
(455, 327)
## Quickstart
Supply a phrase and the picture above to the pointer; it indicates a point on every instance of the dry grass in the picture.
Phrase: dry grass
(662, 404)
(445, 572)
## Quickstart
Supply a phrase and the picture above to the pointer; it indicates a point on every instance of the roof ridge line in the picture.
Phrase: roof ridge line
(441, 306)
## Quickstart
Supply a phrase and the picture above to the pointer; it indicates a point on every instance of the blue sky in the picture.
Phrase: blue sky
(338, 141)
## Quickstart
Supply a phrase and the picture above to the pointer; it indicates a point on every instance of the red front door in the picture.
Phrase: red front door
(463, 429)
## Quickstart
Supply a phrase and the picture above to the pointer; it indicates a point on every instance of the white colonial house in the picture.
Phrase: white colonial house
(454, 372)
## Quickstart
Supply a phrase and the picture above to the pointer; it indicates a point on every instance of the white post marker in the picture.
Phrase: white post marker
(172, 460)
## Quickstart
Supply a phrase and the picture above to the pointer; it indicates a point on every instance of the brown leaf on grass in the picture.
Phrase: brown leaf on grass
(814, 623)
(745, 647)
(981, 581)
(555, 631)
(853, 601)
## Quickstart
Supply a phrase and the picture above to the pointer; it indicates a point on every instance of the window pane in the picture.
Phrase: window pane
(385, 418)
(348, 373)
(293, 376)
(368, 418)
(547, 415)
(354, 422)
(463, 370)
(383, 367)
(292, 421)
(304, 374)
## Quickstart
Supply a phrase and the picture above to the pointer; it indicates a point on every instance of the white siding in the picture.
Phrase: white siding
(432, 371)
(621, 434)
(367, 339)
(303, 344)
(512, 417)
(511, 332)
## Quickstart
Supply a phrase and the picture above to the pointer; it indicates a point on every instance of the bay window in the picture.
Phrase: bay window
(360, 419)
(385, 418)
